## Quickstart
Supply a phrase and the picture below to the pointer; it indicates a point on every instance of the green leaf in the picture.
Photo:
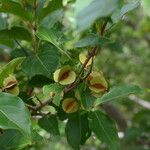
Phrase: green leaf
(50, 124)
(104, 128)
(87, 99)
(52, 36)
(118, 92)
(8, 6)
(7, 42)
(57, 89)
(53, 18)
(36, 137)
(20, 53)
(14, 115)
(94, 9)
(9, 68)
(12, 140)
(44, 63)
(15, 33)
(39, 81)
(77, 131)
(48, 35)
(119, 13)
(91, 40)
(51, 7)
(129, 7)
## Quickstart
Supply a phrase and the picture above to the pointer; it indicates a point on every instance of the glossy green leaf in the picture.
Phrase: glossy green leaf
(91, 40)
(15, 33)
(87, 99)
(36, 137)
(119, 13)
(77, 131)
(8, 6)
(20, 53)
(52, 36)
(44, 63)
(14, 115)
(57, 89)
(104, 128)
(49, 35)
(94, 9)
(118, 92)
(51, 7)
(9, 68)
(50, 124)
(129, 7)
(13, 140)
(53, 18)
(7, 42)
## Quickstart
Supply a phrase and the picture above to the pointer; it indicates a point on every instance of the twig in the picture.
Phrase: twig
(139, 101)
(35, 15)
(78, 79)
(43, 104)
(31, 107)
(103, 28)
(89, 71)
(40, 114)
(39, 106)
(39, 100)
(91, 55)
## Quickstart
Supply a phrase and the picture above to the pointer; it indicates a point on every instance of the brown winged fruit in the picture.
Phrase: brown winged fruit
(10, 85)
(83, 57)
(97, 83)
(64, 75)
(70, 105)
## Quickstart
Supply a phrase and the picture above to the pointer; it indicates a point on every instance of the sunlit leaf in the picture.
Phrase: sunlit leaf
(104, 128)
(118, 92)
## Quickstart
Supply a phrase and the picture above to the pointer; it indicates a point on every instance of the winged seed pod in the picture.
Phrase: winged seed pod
(64, 75)
(70, 105)
(83, 58)
(97, 95)
(10, 85)
(97, 83)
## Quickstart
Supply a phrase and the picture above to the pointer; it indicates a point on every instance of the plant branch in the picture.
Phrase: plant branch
(39, 106)
(139, 101)
(40, 114)
(35, 15)
(78, 80)
(91, 55)
(103, 28)
(34, 26)
(89, 71)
